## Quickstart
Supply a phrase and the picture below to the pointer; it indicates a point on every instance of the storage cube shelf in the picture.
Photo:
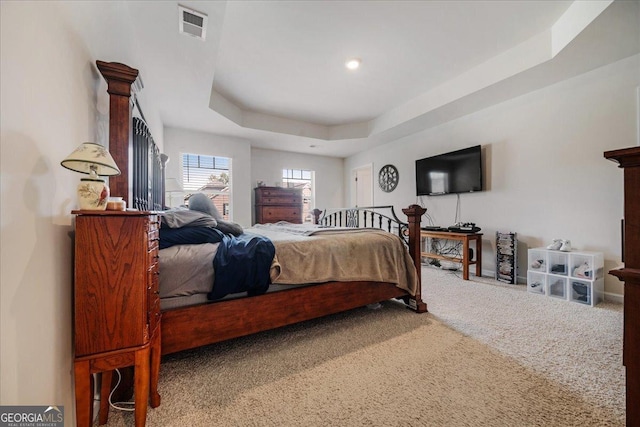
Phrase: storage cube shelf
(576, 276)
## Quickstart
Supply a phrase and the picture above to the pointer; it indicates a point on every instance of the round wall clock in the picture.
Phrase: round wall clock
(388, 178)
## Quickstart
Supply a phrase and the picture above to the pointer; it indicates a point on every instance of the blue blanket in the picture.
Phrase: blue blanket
(242, 264)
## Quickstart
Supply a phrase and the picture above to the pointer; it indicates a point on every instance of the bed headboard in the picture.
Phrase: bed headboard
(141, 183)
(148, 169)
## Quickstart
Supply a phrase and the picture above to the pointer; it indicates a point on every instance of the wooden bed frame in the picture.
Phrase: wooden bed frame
(198, 325)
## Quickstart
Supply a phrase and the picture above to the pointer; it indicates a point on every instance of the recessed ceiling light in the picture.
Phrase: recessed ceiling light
(353, 64)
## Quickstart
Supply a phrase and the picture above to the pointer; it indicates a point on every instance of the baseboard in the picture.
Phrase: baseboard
(617, 298)
(522, 280)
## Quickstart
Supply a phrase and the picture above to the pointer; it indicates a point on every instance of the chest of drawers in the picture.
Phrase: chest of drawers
(275, 204)
(116, 305)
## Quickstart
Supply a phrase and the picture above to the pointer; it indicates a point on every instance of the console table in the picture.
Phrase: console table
(464, 257)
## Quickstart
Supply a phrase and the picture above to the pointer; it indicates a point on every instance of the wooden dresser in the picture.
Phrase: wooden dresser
(275, 204)
(116, 307)
(629, 160)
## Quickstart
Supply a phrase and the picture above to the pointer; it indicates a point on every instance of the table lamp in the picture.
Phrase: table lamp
(92, 159)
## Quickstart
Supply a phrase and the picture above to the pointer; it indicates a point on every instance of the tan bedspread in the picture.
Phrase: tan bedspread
(339, 255)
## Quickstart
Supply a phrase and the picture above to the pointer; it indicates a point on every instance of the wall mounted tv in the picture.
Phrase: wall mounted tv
(455, 172)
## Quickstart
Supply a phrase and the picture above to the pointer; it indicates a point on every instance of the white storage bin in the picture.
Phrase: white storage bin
(587, 266)
(588, 292)
(536, 282)
(558, 263)
(581, 291)
(537, 260)
(557, 286)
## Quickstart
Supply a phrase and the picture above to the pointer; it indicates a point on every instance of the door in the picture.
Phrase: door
(362, 186)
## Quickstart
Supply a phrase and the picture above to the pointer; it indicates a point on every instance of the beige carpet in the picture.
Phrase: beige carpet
(392, 367)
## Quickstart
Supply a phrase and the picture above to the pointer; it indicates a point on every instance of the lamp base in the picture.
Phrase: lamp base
(92, 194)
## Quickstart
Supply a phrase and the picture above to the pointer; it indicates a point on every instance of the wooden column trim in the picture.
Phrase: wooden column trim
(119, 78)
(414, 217)
(625, 157)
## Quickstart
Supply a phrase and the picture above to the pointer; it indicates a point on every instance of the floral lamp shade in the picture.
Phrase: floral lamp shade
(92, 159)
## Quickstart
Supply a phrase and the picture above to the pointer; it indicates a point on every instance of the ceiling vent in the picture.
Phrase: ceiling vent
(192, 23)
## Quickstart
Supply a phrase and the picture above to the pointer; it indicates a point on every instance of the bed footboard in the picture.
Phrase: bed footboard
(385, 218)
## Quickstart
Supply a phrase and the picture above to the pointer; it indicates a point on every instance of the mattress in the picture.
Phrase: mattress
(186, 270)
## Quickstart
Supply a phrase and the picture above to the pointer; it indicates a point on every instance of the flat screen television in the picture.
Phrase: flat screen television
(454, 172)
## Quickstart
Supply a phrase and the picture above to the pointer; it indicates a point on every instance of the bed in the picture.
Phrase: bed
(201, 321)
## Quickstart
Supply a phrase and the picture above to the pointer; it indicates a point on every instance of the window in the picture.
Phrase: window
(297, 178)
(210, 175)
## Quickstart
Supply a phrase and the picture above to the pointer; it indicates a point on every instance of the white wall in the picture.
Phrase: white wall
(267, 165)
(50, 105)
(251, 165)
(182, 141)
(545, 173)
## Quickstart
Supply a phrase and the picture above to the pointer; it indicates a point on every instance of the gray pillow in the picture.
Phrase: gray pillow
(178, 217)
(201, 202)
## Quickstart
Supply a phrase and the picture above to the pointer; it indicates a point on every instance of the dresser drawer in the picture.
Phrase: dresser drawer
(290, 199)
(281, 213)
(154, 315)
(277, 193)
(153, 279)
(154, 237)
(154, 221)
(153, 297)
(152, 254)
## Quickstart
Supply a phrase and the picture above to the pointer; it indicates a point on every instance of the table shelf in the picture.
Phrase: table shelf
(464, 259)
